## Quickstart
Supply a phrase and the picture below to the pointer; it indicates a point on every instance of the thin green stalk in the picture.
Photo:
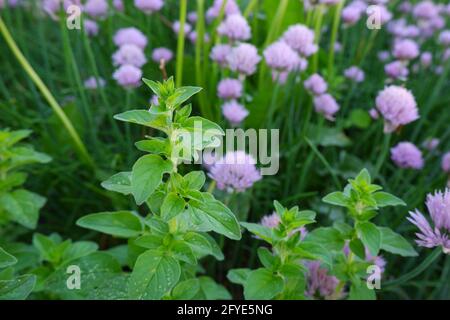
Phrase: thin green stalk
(436, 253)
(47, 94)
(384, 151)
(250, 8)
(325, 163)
(180, 44)
(199, 76)
(334, 32)
(317, 30)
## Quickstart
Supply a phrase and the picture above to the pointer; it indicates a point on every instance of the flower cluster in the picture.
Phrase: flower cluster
(324, 103)
(130, 57)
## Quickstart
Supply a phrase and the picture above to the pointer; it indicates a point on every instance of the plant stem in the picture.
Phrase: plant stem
(384, 151)
(334, 32)
(180, 44)
(47, 94)
(436, 253)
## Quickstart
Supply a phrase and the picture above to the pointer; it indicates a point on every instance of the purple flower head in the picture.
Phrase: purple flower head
(96, 8)
(176, 27)
(383, 56)
(162, 53)
(320, 284)
(446, 162)
(91, 83)
(438, 205)
(51, 7)
(129, 54)
(425, 10)
(326, 105)
(397, 106)
(234, 112)
(193, 37)
(354, 73)
(271, 220)
(407, 155)
(219, 54)
(444, 38)
(118, 5)
(130, 36)
(405, 7)
(337, 47)
(154, 100)
(192, 17)
(235, 171)
(243, 59)
(426, 59)
(385, 14)
(396, 70)
(431, 144)
(301, 39)
(128, 76)
(149, 6)
(230, 8)
(90, 27)
(316, 84)
(229, 89)
(281, 57)
(235, 27)
(406, 50)
(351, 14)
(374, 114)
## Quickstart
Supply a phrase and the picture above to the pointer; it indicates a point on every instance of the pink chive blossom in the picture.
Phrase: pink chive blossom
(445, 164)
(229, 89)
(383, 56)
(90, 27)
(51, 7)
(91, 83)
(154, 100)
(271, 220)
(374, 114)
(118, 5)
(162, 53)
(301, 39)
(425, 10)
(351, 15)
(326, 105)
(354, 73)
(96, 8)
(281, 57)
(243, 59)
(316, 85)
(219, 54)
(426, 58)
(431, 144)
(234, 112)
(176, 27)
(405, 7)
(396, 70)
(406, 50)
(235, 171)
(130, 36)
(337, 47)
(193, 37)
(444, 38)
(149, 6)
(407, 155)
(128, 76)
(230, 8)
(321, 284)
(438, 205)
(129, 54)
(235, 27)
(397, 106)
(192, 17)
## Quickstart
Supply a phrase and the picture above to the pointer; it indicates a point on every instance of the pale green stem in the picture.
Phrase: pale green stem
(334, 32)
(47, 94)
(180, 44)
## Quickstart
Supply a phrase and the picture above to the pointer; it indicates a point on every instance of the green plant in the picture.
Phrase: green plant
(345, 251)
(164, 246)
(17, 206)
